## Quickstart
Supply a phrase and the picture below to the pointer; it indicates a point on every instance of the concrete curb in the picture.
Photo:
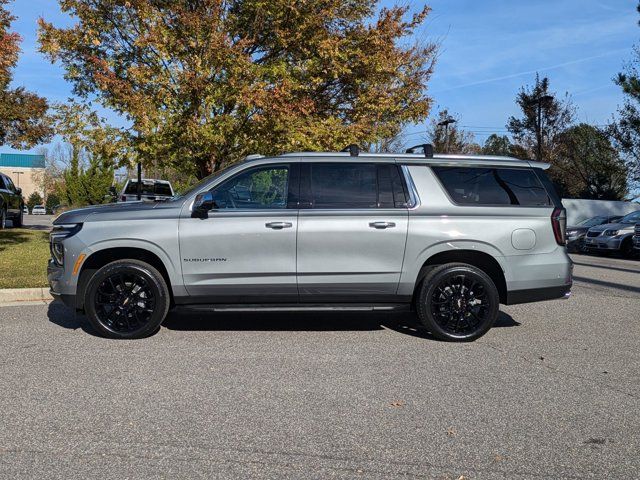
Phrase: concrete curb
(16, 295)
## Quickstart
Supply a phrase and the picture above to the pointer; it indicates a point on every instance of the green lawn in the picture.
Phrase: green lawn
(23, 258)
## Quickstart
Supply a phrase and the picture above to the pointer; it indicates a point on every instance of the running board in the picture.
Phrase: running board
(347, 307)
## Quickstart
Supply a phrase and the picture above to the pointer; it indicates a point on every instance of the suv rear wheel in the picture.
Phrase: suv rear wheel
(457, 302)
(127, 299)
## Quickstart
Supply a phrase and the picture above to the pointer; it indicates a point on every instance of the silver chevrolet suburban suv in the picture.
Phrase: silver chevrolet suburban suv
(448, 236)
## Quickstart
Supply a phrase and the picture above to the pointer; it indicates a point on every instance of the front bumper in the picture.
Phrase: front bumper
(636, 242)
(575, 242)
(55, 277)
(602, 243)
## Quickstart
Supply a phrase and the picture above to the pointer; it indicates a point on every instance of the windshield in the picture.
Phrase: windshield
(633, 217)
(592, 222)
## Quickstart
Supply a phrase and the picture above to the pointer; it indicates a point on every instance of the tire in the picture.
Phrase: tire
(457, 302)
(3, 219)
(19, 221)
(626, 249)
(127, 299)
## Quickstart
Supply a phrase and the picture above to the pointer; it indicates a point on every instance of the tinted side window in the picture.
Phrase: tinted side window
(344, 185)
(9, 184)
(258, 188)
(162, 189)
(391, 189)
(2, 184)
(493, 186)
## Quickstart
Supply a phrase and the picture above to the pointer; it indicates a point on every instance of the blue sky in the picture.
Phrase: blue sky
(489, 49)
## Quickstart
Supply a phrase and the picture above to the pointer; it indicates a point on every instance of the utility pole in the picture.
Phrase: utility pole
(445, 124)
(538, 101)
(139, 181)
(18, 174)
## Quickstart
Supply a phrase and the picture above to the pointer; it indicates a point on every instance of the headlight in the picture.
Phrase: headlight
(56, 237)
(611, 233)
(571, 233)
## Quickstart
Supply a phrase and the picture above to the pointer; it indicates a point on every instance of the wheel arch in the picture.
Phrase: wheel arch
(100, 258)
(482, 260)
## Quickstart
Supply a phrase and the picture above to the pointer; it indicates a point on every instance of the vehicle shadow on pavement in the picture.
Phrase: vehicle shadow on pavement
(408, 324)
(401, 322)
(405, 322)
(65, 317)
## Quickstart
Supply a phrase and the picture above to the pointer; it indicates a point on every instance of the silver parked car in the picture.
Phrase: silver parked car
(448, 236)
(614, 237)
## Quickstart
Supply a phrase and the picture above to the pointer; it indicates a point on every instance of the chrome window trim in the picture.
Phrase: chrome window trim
(414, 198)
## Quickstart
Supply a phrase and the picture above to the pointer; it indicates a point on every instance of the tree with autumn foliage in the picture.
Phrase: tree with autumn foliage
(206, 82)
(23, 115)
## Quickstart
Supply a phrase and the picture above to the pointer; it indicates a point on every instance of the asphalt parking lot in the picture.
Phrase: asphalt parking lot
(551, 392)
(38, 222)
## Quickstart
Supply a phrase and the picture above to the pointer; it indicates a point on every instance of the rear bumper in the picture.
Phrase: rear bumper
(515, 297)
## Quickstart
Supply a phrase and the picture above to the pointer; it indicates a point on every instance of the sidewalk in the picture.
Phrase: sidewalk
(18, 296)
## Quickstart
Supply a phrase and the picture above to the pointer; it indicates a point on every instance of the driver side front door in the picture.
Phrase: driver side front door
(245, 251)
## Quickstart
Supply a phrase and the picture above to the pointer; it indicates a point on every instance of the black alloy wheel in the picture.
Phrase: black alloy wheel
(127, 299)
(458, 302)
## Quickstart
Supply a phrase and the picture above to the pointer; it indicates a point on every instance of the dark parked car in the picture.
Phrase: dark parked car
(576, 233)
(11, 202)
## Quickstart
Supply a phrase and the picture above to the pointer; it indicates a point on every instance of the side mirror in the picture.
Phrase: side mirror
(202, 204)
(18, 190)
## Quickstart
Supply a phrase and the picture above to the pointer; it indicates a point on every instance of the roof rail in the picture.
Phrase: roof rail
(427, 148)
(353, 149)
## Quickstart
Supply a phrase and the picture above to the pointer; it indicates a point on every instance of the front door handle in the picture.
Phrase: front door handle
(278, 225)
(382, 225)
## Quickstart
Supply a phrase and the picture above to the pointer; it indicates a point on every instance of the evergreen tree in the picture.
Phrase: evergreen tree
(627, 129)
(544, 118)
(34, 199)
(451, 138)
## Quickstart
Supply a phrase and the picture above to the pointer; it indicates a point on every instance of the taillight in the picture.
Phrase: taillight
(559, 224)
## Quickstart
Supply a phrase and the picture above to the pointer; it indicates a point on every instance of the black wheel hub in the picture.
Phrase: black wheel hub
(124, 302)
(459, 304)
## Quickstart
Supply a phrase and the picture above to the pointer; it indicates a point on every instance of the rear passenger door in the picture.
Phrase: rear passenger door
(352, 229)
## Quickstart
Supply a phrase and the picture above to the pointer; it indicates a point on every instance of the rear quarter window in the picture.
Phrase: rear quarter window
(493, 186)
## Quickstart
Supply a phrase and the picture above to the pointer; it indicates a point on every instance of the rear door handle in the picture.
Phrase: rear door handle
(278, 225)
(382, 225)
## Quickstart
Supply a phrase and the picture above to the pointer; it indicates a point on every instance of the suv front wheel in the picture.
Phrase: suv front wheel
(457, 302)
(127, 299)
